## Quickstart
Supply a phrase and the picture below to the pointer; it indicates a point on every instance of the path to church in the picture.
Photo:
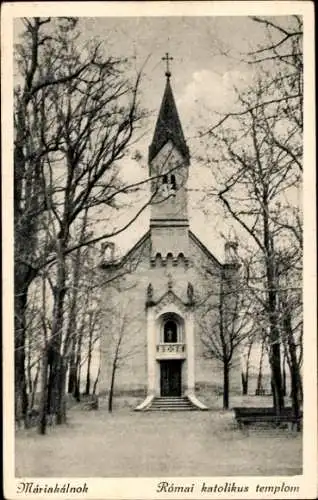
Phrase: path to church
(143, 444)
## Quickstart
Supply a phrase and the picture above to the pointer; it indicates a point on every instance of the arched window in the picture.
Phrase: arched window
(170, 332)
(173, 182)
(165, 179)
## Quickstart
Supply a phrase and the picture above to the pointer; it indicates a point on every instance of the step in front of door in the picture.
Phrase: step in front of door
(171, 404)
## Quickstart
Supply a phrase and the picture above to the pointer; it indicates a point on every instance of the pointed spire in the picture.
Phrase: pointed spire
(168, 126)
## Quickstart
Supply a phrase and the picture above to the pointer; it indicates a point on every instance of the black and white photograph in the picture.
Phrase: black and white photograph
(159, 250)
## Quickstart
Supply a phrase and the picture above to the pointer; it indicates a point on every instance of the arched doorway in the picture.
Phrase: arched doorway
(172, 326)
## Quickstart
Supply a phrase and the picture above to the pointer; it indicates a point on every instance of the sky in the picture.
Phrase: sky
(202, 81)
(207, 61)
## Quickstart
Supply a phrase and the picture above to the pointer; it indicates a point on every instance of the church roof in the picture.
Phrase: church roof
(168, 126)
(199, 243)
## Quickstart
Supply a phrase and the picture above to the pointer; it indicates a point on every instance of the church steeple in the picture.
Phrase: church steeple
(169, 161)
(168, 126)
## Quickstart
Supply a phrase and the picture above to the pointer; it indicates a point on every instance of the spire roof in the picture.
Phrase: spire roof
(168, 126)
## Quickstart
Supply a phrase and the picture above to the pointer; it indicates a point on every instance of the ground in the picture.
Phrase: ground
(126, 443)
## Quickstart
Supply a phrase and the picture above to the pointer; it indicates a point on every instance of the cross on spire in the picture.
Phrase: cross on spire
(167, 58)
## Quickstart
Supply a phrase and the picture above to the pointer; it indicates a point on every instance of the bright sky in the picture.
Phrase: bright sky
(202, 79)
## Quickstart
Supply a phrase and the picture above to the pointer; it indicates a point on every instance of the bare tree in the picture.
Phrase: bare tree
(122, 347)
(76, 113)
(91, 340)
(41, 58)
(28, 199)
(291, 325)
(257, 178)
(247, 360)
(227, 325)
(260, 390)
(74, 117)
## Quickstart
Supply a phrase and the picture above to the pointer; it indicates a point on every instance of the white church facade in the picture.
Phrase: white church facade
(161, 297)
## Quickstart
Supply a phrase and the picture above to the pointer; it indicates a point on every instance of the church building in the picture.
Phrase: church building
(164, 294)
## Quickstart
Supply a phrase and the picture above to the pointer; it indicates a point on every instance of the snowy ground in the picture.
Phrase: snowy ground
(127, 443)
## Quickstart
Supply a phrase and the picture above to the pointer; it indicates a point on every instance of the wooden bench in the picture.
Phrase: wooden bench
(245, 416)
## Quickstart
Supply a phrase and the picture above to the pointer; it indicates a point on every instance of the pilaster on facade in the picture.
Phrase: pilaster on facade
(151, 352)
(189, 333)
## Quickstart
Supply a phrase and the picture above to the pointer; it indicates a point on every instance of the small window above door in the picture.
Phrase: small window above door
(170, 332)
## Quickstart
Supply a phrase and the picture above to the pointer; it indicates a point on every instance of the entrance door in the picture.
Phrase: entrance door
(170, 378)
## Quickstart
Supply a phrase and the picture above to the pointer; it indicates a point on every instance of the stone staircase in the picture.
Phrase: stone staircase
(171, 404)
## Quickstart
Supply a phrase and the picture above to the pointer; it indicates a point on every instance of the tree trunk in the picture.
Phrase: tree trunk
(72, 327)
(50, 401)
(226, 386)
(77, 389)
(284, 375)
(26, 202)
(96, 382)
(88, 381)
(72, 368)
(244, 379)
(89, 361)
(245, 374)
(55, 383)
(21, 395)
(35, 384)
(44, 392)
(111, 388)
(277, 385)
(271, 283)
(259, 385)
(293, 365)
(301, 394)
(61, 403)
(29, 369)
(58, 374)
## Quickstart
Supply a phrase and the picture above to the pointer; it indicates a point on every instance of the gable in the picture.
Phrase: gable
(199, 247)
(143, 246)
(170, 302)
(133, 255)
